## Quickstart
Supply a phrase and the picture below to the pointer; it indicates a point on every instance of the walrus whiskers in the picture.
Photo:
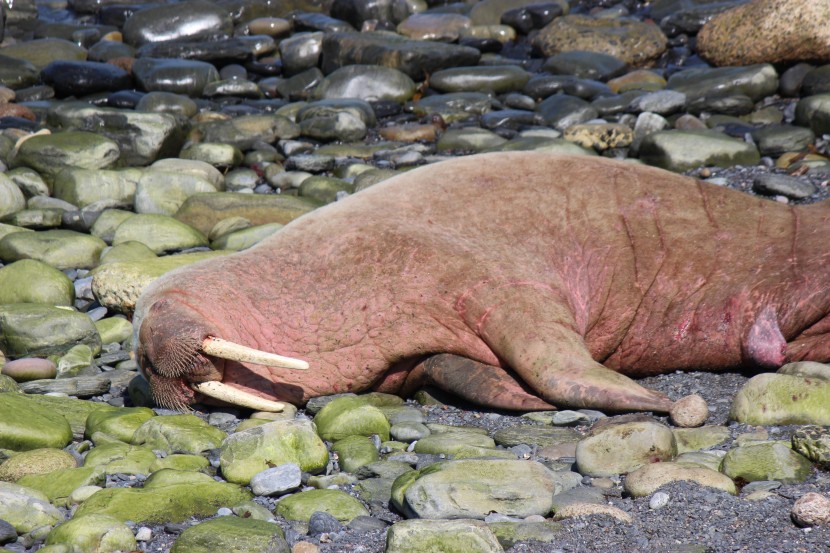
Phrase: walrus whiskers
(228, 394)
(218, 347)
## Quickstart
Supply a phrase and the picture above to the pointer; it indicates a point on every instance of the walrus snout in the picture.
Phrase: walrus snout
(180, 356)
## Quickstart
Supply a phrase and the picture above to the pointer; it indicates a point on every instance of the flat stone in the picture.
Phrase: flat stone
(49, 154)
(367, 82)
(188, 77)
(766, 461)
(33, 281)
(190, 20)
(301, 506)
(178, 434)
(25, 425)
(231, 533)
(450, 536)
(203, 211)
(160, 233)
(11, 198)
(647, 479)
(93, 533)
(30, 368)
(496, 78)
(754, 81)
(26, 509)
(28, 329)
(278, 480)
(622, 446)
(685, 150)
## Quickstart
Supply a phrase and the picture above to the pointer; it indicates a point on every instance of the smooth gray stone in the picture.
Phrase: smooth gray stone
(496, 78)
(16, 73)
(542, 86)
(561, 111)
(814, 112)
(817, 81)
(188, 77)
(774, 140)
(81, 78)
(300, 52)
(218, 50)
(189, 20)
(755, 81)
(784, 185)
(585, 65)
(367, 82)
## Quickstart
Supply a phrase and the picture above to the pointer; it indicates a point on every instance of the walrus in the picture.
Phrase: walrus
(513, 280)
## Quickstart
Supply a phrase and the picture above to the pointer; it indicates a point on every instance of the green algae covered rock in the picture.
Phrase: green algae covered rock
(766, 461)
(446, 536)
(96, 533)
(167, 496)
(32, 281)
(25, 425)
(35, 461)
(351, 416)
(232, 535)
(178, 433)
(59, 484)
(354, 452)
(28, 329)
(120, 424)
(778, 398)
(247, 453)
(338, 504)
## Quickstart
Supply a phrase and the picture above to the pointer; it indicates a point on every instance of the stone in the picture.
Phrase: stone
(231, 533)
(43, 51)
(187, 77)
(82, 78)
(32, 281)
(496, 78)
(350, 416)
(244, 131)
(118, 285)
(511, 533)
(585, 65)
(633, 42)
(562, 111)
(355, 451)
(114, 330)
(624, 445)
(29, 368)
(247, 453)
(244, 238)
(767, 31)
(779, 398)
(600, 136)
(647, 479)
(181, 462)
(28, 329)
(191, 20)
(301, 506)
(451, 443)
(468, 140)
(694, 439)
(158, 232)
(766, 461)
(163, 193)
(811, 509)
(167, 496)
(93, 533)
(679, 151)
(178, 434)
(62, 249)
(473, 488)
(367, 82)
(541, 436)
(83, 187)
(784, 185)
(689, 411)
(26, 509)
(49, 154)
(278, 480)
(120, 423)
(450, 536)
(754, 81)
(814, 443)
(11, 198)
(35, 461)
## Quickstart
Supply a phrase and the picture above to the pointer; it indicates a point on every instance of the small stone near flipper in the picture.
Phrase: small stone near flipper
(689, 412)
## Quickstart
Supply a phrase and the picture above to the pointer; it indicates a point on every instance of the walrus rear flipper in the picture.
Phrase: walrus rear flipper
(551, 356)
(479, 383)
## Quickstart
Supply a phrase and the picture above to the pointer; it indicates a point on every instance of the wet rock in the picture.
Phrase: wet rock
(472, 536)
(633, 42)
(231, 533)
(474, 488)
(190, 20)
(490, 12)
(188, 77)
(26, 425)
(301, 506)
(766, 461)
(35, 461)
(468, 140)
(245, 131)
(586, 65)
(35, 329)
(17, 73)
(118, 285)
(26, 509)
(49, 154)
(452, 443)
(647, 479)
(694, 439)
(93, 533)
(441, 27)
(774, 140)
(248, 453)
(684, 150)
(773, 398)
(350, 416)
(415, 58)
(753, 81)
(167, 496)
(120, 424)
(42, 52)
(81, 78)
(495, 78)
(767, 31)
(32, 281)
(562, 111)
(179, 434)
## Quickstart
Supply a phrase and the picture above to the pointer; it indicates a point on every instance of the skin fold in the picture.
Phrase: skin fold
(547, 280)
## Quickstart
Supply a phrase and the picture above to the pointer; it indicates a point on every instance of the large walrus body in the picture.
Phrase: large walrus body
(559, 274)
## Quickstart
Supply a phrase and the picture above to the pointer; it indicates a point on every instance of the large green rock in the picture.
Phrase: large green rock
(82, 187)
(339, 504)
(351, 416)
(25, 508)
(647, 479)
(474, 488)
(120, 458)
(168, 496)
(232, 535)
(354, 452)
(73, 410)
(778, 399)
(35, 461)
(766, 461)
(31, 281)
(59, 484)
(25, 425)
(247, 453)
(120, 423)
(11, 198)
(95, 533)
(446, 536)
(203, 211)
(179, 434)
(51, 153)
(28, 329)
(62, 249)
(682, 150)
(451, 443)
(624, 446)
(158, 232)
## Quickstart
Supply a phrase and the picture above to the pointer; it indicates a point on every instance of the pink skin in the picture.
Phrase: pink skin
(572, 272)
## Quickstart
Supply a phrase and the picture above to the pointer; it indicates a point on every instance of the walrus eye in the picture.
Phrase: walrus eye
(224, 349)
(228, 394)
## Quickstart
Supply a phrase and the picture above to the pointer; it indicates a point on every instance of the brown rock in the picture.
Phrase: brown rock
(634, 42)
(768, 31)
(689, 411)
(16, 110)
(811, 509)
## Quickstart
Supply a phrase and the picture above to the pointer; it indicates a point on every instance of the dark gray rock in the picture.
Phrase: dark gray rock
(80, 78)
(194, 20)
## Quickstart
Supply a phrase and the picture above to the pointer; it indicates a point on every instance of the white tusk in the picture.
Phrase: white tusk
(235, 352)
(234, 396)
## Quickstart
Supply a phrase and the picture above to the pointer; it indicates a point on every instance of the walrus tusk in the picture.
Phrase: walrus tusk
(235, 352)
(228, 394)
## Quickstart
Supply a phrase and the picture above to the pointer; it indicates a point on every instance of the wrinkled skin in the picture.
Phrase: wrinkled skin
(546, 279)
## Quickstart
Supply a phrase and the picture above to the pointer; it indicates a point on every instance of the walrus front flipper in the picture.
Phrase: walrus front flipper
(533, 329)
(479, 383)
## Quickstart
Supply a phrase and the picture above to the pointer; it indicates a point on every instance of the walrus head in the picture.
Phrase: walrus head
(179, 364)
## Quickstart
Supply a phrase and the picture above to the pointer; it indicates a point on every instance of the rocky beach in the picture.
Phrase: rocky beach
(140, 137)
